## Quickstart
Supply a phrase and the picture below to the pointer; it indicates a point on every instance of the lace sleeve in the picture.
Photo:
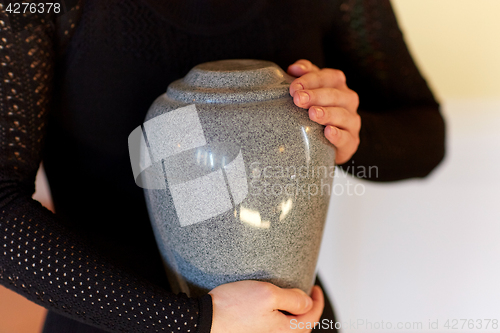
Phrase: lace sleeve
(402, 133)
(39, 259)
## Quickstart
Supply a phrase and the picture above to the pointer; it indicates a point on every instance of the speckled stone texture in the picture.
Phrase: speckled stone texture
(237, 178)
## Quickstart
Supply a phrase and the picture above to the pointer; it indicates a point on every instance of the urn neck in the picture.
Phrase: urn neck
(231, 81)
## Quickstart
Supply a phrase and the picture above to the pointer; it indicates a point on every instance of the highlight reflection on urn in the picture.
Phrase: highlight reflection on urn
(237, 178)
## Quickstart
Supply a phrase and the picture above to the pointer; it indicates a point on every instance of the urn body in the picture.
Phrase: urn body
(237, 179)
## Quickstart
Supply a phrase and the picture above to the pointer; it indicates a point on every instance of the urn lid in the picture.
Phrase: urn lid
(231, 81)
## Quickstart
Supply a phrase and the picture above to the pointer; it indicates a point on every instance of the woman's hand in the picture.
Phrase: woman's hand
(330, 102)
(253, 306)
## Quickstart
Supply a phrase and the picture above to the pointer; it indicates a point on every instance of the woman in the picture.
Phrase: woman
(76, 83)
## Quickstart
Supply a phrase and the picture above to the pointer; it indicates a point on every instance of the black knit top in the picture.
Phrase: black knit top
(76, 83)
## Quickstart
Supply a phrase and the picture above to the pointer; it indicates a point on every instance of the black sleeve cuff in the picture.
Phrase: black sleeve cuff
(205, 316)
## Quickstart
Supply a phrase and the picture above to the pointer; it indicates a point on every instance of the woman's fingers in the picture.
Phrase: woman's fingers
(342, 129)
(252, 306)
(294, 301)
(345, 98)
(335, 116)
(328, 77)
(301, 67)
(326, 87)
(330, 102)
(344, 141)
(314, 315)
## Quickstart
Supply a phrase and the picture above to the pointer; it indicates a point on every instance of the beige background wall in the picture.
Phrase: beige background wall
(426, 251)
(456, 44)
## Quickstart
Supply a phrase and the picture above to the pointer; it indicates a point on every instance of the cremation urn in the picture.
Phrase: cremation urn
(237, 179)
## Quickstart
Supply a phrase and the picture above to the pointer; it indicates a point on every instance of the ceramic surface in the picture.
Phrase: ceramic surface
(237, 178)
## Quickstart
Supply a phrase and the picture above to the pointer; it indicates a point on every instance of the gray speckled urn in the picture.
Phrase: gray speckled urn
(237, 178)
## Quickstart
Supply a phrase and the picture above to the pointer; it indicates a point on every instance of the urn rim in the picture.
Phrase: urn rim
(232, 81)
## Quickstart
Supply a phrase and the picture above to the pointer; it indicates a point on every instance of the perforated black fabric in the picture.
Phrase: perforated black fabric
(55, 267)
(45, 265)
(41, 260)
